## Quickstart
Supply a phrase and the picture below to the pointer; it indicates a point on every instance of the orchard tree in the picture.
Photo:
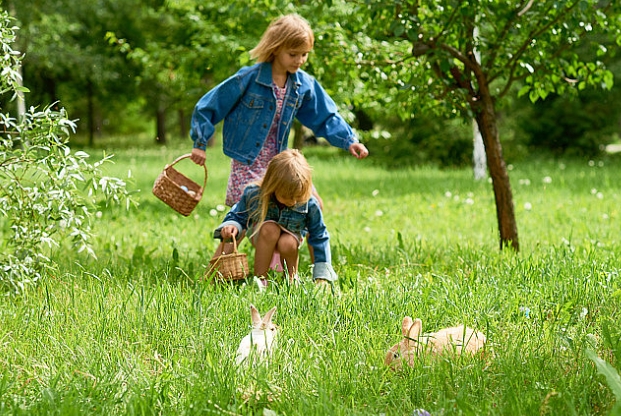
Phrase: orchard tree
(414, 56)
(156, 42)
(185, 47)
(68, 61)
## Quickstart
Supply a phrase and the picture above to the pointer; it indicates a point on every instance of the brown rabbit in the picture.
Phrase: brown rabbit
(448, 340)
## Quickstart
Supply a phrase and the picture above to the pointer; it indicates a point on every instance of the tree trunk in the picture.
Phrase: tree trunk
(21, 101)
(478, 154)
(160, 121)
(91, 114)
(298, 135)
(486, 120)
(183, 124)
(50, 89)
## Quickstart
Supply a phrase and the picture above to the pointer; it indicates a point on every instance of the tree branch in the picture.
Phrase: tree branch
(525, 9)
(514, 61)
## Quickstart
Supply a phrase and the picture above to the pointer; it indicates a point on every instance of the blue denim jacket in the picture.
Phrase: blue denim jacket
(246, 103)
(300, 219)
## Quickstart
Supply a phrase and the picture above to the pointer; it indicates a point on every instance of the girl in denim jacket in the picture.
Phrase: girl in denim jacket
(259, 104)
(276, 212)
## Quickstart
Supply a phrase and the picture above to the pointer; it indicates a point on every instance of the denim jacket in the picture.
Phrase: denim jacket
(246, 103)
(300, 219)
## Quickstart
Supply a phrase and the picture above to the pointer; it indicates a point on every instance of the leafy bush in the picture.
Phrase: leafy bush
(47, 194)
(578, 126)
(422, 141)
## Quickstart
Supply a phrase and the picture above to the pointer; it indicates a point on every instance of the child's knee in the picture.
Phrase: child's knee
(287, 244)
(269, 231)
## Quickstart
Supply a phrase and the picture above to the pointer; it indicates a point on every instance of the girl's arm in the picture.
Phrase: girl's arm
(320, 114)
(319, 239)
(213, 107)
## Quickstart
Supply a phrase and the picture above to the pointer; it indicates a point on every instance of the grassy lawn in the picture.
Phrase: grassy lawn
(137, 330)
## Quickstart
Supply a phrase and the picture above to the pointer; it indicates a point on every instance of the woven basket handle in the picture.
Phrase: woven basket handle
(234, 245)
(187, 155)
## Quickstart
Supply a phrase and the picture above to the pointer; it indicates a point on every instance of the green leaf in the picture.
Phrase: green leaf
(612, 376)
(398, 29)
(608, 80)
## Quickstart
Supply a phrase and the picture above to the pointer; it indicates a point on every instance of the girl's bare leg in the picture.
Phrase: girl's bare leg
(265, 242)
(288, 248)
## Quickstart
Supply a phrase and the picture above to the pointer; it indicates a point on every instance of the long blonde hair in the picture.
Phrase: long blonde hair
(288, 173)
(291, 31)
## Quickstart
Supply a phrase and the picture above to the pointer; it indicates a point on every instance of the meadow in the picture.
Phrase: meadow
(138, 331)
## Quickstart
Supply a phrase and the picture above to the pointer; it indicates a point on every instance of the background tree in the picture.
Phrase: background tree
(170, 52)
(68, 61)
(415, 57)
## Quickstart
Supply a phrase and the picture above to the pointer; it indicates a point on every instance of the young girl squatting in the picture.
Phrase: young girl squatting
(276, 212)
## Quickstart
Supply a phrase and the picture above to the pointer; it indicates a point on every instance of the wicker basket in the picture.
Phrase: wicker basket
(178, 191)
(233, 266)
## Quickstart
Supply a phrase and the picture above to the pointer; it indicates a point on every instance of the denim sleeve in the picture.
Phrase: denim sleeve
(216, 232)
(213, 107)
(237, 216)
(318, 236)
(324, 271)
(319, 113)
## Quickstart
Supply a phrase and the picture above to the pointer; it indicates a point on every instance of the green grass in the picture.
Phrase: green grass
(137, 331)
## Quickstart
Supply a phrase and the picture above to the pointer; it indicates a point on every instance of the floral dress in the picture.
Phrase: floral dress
(242, 174)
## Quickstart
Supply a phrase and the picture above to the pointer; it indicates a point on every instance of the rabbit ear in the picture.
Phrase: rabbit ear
(256, 317)
(405, 326)
(415, 329)
(267, 319)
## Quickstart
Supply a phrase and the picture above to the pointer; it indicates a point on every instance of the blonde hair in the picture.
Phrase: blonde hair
(288, 173)
(291, 31)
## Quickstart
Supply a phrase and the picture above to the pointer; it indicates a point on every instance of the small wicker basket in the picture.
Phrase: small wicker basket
(233, 266)
(178, 191)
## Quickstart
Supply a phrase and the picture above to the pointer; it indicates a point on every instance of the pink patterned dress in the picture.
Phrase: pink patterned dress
(242, 174)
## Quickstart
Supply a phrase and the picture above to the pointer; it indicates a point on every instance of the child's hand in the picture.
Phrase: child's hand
(228, 233)
(198, 156)
(359, 150)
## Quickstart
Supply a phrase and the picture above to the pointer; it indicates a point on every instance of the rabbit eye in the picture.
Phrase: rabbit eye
(395, 355)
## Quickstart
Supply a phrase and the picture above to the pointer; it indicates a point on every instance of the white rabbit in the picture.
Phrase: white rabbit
(260, 340)
(455, 339)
